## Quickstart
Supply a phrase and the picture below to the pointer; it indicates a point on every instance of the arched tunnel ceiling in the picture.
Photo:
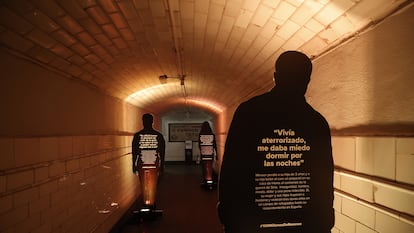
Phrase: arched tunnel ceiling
(221, 50)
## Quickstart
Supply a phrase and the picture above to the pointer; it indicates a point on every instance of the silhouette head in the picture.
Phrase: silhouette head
(147, 120)
(292, 72)
(205, 128)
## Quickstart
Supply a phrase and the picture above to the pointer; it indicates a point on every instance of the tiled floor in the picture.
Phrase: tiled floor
(187, 207)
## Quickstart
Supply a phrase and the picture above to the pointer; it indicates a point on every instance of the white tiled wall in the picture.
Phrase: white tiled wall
(376, 156)
(343, 149)
(65, 184)
(356, 216)
(359, 212)
(374, 183)
(391, 158)
(405, 160)
(74, 177)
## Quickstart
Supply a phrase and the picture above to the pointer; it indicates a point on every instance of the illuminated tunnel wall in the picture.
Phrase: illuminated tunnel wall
(64, 163)
(365, 90)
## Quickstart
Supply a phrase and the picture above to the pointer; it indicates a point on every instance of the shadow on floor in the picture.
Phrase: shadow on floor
(187, 207)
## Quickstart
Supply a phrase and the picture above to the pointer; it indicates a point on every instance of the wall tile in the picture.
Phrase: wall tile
(2, 183)
(394, 198)
(123, 141)
(72, 165)
(15, 22)
(359, 212)
(344, 223)
(38, 205)
(57, 169)
(47, 188)
(65, 148)
(405, 165)
(58, 198)
(41, 38)
(6, 203)
(44, 228)
(85, 162)
(25, 197)
(41, 54)
(364, 156)
(6, 153)
(78, 145)
(91, 144)
(405, 160)
(337, 204)
(48, 149)
(27, 151)
(337, 180)
(16, 41)
(105, 142)
(388, 223)
(32, 222)
(359, 187)
(13, 217)
(20, 179)
(405, 146)
(363, 229)
(335, 230)
(376, 156)
(343, 149)
(41, 173)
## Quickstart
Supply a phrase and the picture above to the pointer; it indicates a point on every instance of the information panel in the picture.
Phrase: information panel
(283, 190)
(181, 132)
(148, 144)
(207, 146)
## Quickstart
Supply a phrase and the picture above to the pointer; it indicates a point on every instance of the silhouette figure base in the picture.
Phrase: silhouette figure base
(148, 214)
(209, 185)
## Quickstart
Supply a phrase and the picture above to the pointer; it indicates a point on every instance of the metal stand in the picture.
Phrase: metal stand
(148, 214)
(209, 185)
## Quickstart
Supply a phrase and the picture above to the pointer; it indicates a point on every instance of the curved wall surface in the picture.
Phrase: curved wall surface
(365, 90)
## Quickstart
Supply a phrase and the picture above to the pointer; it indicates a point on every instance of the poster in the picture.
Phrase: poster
(181, 132)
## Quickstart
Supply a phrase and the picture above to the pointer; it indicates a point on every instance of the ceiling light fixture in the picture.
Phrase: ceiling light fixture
(163, 80)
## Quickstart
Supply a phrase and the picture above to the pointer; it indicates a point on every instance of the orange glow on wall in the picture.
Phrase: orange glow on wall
(152, 96)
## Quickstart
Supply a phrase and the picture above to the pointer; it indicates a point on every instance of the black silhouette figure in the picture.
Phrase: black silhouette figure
(277, 169)
(208, 153)
(148, 153)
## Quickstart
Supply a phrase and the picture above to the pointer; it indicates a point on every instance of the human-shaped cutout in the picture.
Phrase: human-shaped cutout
(277, 168)
(148, 152)
(208, 153)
